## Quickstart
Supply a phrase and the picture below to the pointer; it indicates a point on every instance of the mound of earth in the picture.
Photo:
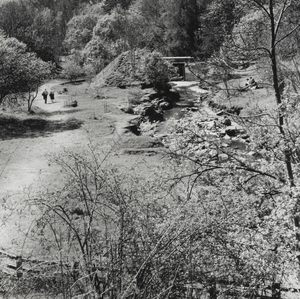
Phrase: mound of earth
(127, 69)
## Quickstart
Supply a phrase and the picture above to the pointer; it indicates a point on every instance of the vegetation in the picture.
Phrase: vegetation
(20, 71)
(215, 220)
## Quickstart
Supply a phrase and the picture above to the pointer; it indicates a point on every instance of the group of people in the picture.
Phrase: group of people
(45, 95)
(251, 83)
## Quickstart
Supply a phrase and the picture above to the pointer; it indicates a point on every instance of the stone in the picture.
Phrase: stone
(145, 98)
(164, 105)
(223, 157)
(231, 131)
(213, 153)
(227, 122)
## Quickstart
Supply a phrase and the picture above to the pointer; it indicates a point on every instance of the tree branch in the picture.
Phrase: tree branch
(288, 34)
(262, 7)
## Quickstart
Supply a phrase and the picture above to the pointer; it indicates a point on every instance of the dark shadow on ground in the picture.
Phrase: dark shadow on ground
(12, 127)
(59, 112)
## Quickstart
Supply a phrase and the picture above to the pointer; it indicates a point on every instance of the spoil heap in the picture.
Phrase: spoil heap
(126, 70)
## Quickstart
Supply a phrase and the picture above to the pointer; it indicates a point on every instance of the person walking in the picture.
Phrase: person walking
(45, 95)
(51, 94)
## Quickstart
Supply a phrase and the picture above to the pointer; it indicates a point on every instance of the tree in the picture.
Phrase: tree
(157, 70)
(72, 68)
(20, 71)
(268, 44)
(263, 184)
(41, 25)
(80, 27)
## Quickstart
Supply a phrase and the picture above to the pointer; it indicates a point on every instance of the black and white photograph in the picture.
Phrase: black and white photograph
(149, 149)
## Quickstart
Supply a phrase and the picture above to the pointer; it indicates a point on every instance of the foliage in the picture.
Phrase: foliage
(102, 222)
(261, 181)
(238, 202)
(39, 27)
(20, 71)
(80, 28)
(157, 70)
(73, 69)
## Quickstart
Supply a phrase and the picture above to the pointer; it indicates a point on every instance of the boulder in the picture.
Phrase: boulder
(227, 121)
(152, 114)
(223, 157)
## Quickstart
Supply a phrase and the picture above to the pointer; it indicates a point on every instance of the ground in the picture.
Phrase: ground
(29, 143)
(26, 151)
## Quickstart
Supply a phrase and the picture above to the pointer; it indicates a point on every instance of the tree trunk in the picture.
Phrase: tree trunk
(278, 94)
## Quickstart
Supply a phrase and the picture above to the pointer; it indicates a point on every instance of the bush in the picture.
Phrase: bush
(158, 71)
(72, 70)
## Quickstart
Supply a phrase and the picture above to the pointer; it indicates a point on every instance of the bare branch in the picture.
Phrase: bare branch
(283, 10)
(288, 34)
(262, 7)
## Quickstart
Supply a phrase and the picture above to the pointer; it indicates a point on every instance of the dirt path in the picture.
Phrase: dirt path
(24, 161)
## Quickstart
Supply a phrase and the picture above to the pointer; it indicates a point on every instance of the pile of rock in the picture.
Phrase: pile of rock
(225, 134)
(223, 109)
(152, 104)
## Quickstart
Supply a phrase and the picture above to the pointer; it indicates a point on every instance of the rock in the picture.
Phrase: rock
(223, 133)
(231, 132)
(245, 136)
(224, 144)
(128, 110)
(154, 95)
(223, 157)
(164, 105)
(145, 98)
(152, 114)
(210, 125)
(227, 121)
(213, 153)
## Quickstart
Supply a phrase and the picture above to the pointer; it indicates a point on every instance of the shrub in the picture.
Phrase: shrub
(158, 71)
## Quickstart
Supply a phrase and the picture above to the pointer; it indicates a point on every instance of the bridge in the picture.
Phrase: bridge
(179, 62)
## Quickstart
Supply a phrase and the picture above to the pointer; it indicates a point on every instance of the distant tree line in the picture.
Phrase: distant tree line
(103, 29)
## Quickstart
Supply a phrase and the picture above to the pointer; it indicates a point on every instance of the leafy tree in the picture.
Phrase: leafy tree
(41, 25)
(109, 5)
(157, 70)
(72, 69)
(21, 71)
(216, 21)
(80, 27)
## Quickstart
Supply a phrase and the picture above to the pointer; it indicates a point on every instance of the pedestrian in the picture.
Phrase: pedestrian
(51, 94)
(45, 95)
